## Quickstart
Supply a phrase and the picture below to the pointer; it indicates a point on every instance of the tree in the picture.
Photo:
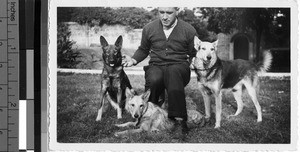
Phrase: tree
(243, 19)
(66, 56)
(129, 16)
(93, 15)
(64, 14)
(197, 22)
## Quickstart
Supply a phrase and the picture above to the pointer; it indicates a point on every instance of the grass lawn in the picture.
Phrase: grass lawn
(77, 95)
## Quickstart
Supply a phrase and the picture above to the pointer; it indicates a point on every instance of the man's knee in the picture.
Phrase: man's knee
(154, 76)
(155, 80)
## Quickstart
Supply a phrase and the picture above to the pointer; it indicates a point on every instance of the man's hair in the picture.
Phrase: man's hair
(176, 8)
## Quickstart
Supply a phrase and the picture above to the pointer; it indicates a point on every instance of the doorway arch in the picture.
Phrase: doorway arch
(241, 47)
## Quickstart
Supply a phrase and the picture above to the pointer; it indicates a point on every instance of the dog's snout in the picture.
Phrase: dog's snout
(208, 57)
(136, 116)
(111, 59)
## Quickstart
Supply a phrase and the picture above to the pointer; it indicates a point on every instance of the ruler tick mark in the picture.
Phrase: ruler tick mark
(10, 44)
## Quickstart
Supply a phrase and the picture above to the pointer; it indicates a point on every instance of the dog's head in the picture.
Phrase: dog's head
(112, 53)
(206, 54)
(136, 105)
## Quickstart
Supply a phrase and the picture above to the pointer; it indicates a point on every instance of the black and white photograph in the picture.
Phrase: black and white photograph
(165, 77)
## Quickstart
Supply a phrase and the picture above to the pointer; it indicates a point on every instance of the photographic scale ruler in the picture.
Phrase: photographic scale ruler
(9, 75)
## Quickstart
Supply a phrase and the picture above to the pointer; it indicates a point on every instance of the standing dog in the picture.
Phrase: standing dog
(114, 81)
(150, 117)
(214, 74)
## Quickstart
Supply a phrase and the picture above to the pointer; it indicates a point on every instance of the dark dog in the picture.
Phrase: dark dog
(214, 74)
(114, 81)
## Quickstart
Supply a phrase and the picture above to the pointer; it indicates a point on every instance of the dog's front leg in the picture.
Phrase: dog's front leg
(218, 97)
(103, 91)
(121, 133)
(207, 101)
(127, 124)
(119, 97)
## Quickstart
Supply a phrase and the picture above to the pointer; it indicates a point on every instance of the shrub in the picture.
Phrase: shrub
(67, 57)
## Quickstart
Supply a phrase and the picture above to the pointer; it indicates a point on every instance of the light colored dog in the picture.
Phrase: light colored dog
(214, 74)
(150, 117)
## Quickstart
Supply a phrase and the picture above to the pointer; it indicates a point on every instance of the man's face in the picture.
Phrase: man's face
(167, 15)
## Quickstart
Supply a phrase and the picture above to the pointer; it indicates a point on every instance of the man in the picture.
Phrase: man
(169, 43)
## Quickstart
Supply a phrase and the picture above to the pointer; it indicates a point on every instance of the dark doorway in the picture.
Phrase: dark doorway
(241, 48)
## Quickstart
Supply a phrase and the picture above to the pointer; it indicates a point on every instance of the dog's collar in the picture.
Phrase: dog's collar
(145, 110)
(210, 68)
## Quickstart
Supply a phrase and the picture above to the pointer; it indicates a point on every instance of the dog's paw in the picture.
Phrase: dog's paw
(98, 119)
(119, 125)
(119, 116)
(117, 134)
(217, 126)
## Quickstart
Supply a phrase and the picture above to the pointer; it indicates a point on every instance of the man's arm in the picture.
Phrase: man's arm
(143, 51)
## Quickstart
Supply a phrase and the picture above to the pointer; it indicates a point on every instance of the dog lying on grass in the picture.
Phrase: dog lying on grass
(214, 74)
(114, 80)
(150, 117)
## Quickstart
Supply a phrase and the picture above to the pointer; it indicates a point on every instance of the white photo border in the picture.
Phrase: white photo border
(52, 77)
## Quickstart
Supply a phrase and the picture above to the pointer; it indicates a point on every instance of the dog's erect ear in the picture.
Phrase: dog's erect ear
(215, 43)
(129, 92)
(146, 95)
(103, 41)
(197, 43)
(119, 42)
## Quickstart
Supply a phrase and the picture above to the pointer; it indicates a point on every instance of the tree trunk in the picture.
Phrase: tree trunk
(258, 38)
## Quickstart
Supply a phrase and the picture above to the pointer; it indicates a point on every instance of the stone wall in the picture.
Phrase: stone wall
(85, 36)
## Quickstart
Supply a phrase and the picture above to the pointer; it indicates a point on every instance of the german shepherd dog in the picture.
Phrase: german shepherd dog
(214, 74)
(150, 117)
(114, 81)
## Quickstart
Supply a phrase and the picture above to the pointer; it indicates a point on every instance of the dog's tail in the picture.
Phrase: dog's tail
(265, 61)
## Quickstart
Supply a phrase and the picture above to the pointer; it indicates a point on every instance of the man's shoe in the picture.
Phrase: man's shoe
(184, 127)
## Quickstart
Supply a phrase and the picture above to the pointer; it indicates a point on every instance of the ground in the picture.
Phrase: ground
(77, 95)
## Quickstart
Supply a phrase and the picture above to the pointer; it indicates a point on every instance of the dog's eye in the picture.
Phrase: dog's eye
(141, 106)
(203, 48)
(212, 49)
(132, 105)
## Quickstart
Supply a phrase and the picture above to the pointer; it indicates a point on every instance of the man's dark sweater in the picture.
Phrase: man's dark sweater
(176, 49)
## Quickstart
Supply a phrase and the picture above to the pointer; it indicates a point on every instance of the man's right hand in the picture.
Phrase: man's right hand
(128, 61)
